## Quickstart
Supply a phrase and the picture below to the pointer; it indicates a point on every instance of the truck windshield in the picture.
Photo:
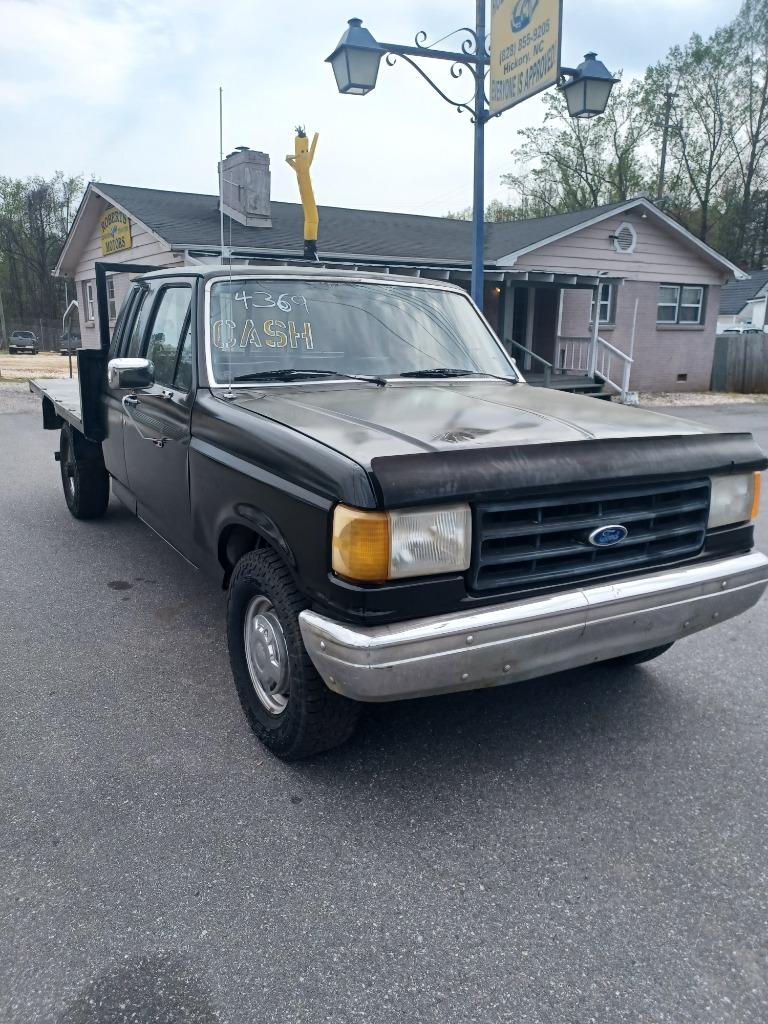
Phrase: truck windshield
(257, 325)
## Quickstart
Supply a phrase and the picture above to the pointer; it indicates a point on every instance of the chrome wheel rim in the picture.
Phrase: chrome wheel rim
(69, 471)
(266, 654)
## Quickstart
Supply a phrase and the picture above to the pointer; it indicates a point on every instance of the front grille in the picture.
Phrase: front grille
(539, 540)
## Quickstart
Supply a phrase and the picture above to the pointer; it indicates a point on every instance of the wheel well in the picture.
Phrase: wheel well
(234, 542)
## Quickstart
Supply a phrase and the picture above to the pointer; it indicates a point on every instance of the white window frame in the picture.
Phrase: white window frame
(111, 301)
(606, 300)
(679, 305)
(698, 306)
(89, 308)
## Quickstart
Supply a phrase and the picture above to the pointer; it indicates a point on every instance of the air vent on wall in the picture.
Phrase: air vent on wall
(625, 238)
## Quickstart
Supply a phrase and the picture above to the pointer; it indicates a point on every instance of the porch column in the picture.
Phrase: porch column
(529, 324)
(592, 366)
(509, 315)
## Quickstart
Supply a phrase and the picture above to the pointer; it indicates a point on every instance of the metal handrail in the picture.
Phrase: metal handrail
(601, 355)
(617, 351)
(534, 355)
(607, 353)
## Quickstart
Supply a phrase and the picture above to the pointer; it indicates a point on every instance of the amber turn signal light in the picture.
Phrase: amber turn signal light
(360, 544)
(756, 486)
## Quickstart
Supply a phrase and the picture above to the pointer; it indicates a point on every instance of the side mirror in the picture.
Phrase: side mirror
(130, 373)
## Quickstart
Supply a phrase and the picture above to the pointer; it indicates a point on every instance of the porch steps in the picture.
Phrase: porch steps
(571, 383)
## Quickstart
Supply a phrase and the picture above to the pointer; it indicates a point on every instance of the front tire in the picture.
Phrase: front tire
(287, 704)
(83, 475)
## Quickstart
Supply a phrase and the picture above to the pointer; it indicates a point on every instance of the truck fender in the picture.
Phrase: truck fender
(248, 528)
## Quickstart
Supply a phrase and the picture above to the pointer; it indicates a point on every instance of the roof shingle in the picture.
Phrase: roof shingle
(736, 294)
(191, 219)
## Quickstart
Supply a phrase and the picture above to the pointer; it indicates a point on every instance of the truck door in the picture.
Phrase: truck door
(114, 456)
(156, 428)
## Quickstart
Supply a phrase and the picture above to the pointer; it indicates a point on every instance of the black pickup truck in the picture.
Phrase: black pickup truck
(393, 511)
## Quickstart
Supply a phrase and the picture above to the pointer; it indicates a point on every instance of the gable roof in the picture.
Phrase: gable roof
(736, 294)
(191, 220)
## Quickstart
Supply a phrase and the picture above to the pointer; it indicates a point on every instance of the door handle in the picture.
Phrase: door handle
(129, 403)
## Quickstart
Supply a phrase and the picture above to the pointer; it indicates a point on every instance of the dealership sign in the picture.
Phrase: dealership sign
(525, 49)
(115, 231)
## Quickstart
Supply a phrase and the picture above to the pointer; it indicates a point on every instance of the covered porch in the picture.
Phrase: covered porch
(530, 325)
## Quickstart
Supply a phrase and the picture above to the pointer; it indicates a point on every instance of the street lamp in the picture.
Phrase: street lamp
(588, 88)
(356, 60)
(355, 63)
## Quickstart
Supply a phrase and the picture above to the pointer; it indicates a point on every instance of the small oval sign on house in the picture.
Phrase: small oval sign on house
(115, 231)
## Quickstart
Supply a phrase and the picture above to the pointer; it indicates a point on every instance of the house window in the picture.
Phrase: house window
(88, 289)
(111, 303)
(607, 305)
(680, 304)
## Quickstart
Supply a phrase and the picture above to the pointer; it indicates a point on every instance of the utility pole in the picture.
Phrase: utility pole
(668, 104)
(3, 335)
(481, 115)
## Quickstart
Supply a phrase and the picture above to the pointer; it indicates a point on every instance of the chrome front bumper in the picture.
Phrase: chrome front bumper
(507, 643)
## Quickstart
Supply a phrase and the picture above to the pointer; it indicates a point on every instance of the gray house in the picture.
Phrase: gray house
(743, 304)
(618, 296)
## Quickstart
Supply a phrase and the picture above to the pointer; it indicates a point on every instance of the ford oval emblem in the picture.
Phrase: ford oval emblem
(607, 536)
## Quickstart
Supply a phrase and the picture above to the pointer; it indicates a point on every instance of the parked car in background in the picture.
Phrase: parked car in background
(23, 341)
(68, 343)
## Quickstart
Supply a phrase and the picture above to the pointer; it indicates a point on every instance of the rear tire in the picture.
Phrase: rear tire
(83, 476)
(640, 657)
(287, 704)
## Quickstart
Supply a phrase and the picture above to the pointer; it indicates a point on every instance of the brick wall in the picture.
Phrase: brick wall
(661, 354)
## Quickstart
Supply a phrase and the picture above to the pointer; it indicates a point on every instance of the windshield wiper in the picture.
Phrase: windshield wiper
(291, 373)
(447, 371)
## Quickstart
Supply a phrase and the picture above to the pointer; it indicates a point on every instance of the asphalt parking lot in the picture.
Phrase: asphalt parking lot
(586, 848)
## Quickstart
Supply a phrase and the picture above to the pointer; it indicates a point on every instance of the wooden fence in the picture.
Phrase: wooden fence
(740, 363)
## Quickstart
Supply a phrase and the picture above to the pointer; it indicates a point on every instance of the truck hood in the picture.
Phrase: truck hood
(407, 418)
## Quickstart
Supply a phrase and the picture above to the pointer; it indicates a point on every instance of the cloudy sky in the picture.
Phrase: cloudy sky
(127, 91)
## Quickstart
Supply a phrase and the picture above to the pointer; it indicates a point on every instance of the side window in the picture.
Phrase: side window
(111, 299)
(123, 319)
(135, 331)
(169, 320)
(89, 303)
(183, 378)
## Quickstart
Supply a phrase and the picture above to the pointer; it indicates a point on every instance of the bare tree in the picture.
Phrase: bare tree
(572, 164)
(35, 215)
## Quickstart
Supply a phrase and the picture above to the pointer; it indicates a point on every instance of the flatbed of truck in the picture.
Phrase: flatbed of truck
(64, 394)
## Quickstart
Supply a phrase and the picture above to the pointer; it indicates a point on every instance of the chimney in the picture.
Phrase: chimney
(245, 187)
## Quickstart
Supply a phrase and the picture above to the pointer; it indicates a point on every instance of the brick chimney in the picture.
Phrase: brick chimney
(245, 187)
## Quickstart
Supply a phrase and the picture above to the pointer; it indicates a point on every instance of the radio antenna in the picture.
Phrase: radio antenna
(221, 170)
(228, 305)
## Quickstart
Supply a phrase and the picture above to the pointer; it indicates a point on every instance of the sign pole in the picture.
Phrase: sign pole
(478, 194)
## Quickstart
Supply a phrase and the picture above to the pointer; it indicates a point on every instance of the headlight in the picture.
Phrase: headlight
(735, 499)
(378, 546)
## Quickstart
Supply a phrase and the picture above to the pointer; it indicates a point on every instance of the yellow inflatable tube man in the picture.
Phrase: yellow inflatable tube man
(301, 161)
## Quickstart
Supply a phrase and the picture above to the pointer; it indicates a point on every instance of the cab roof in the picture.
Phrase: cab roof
(317, 273)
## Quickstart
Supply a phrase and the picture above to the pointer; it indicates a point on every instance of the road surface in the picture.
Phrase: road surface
(589, 847)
